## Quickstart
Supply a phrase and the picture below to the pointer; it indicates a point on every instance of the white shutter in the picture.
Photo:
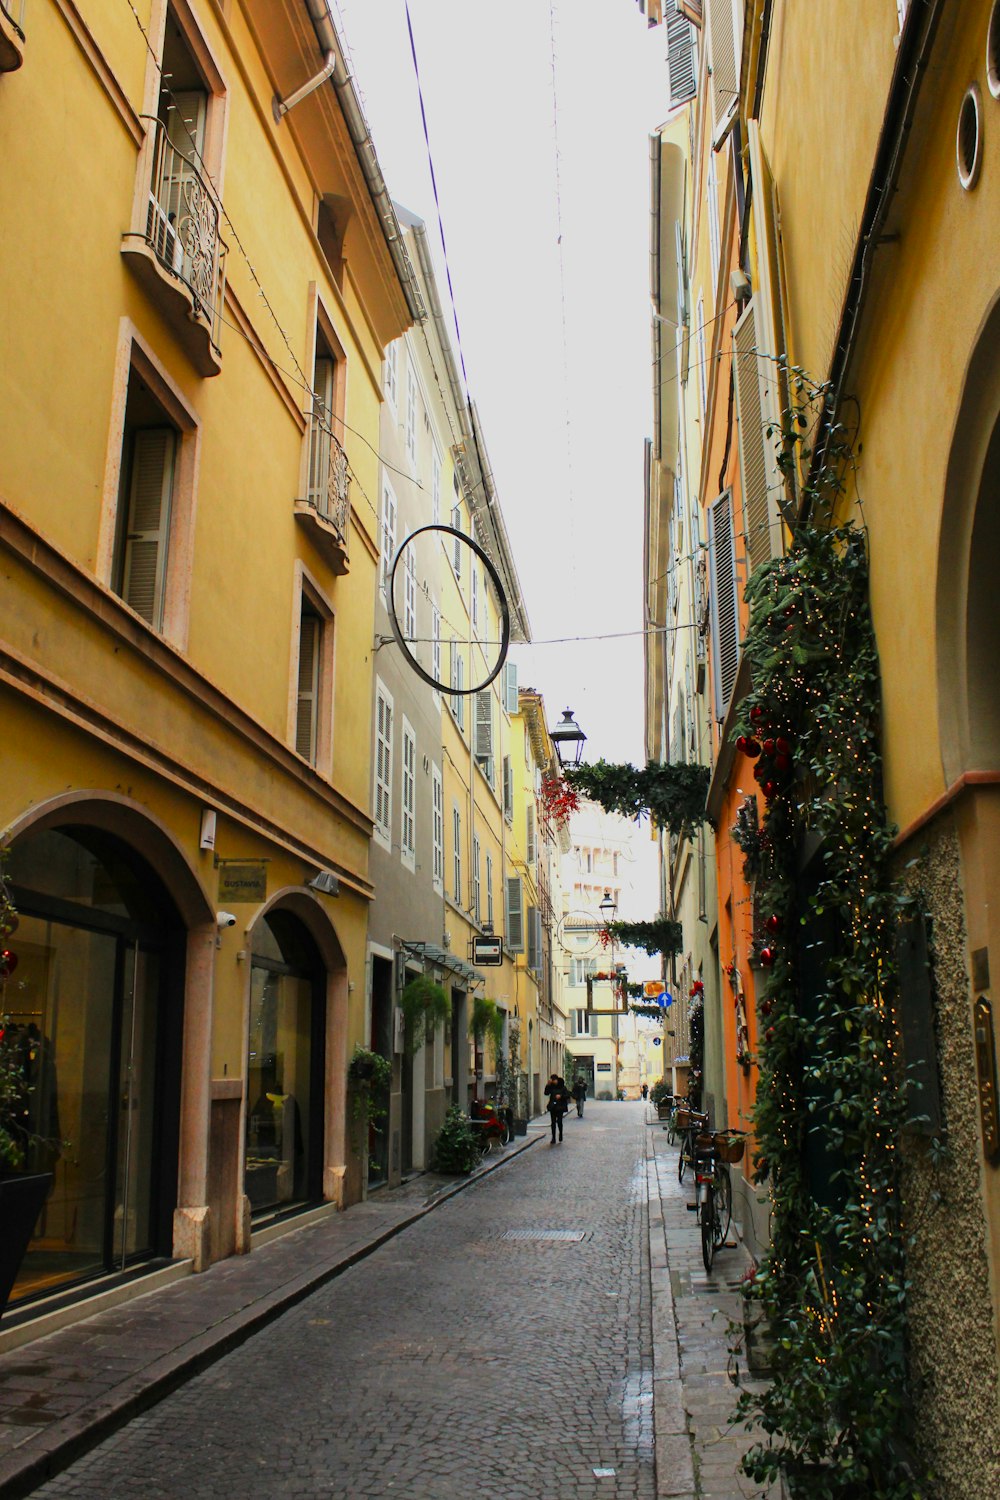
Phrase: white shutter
(150, 491)
(723, 61)
(723, 600)
(681, 70)
(508, 790)
(510, 687)
(308, 686)
(530, 836)
(383, 763)
(515, 915)
(484, 725)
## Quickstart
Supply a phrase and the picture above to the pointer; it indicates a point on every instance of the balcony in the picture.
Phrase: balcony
(326, 510)
(175, 248)
(11, 35)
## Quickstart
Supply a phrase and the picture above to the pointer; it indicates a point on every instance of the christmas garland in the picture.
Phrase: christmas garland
(659, 936)
(673, 795)
(833, 1284)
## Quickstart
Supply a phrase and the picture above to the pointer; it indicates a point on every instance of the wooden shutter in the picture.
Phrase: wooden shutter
(723, 600)
(530, 835)
(768, 305)
(681, 74)
(146, 539)
(484, 725)
(724, 71)
(759, 472)
(534, 938)
(308, 692)
(515, 915)
(510, 687)
(508, 789)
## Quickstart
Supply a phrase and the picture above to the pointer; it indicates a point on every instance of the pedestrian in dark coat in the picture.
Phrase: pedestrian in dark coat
(557, 1095)
(580, 1094)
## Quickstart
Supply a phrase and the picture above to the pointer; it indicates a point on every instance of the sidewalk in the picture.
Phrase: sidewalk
(698, 1451)
(62, 1394)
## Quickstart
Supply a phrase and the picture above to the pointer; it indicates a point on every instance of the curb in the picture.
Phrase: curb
(67, 1440)
(672, 1445)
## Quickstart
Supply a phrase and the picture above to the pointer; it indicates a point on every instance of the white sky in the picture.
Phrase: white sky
(571, 488)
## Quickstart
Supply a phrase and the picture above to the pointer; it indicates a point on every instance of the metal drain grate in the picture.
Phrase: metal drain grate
(565, 1235)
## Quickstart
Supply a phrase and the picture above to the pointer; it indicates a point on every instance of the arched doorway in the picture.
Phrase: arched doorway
(286, 1061)
(97, 1003)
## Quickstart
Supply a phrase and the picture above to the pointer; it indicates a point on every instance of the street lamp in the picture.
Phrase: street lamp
(607, 907)
(569, 740)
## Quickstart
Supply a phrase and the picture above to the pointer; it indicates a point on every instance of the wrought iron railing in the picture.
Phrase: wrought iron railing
(329, 478)
(182, 226)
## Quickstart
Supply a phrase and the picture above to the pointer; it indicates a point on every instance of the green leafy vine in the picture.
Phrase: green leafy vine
(673, 795)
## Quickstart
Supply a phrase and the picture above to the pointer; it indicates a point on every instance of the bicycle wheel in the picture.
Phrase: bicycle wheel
(682, 1160)
(724, 1202)
(709, 1223)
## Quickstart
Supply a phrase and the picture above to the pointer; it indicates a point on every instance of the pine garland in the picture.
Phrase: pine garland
(672, 795)
(659, 936)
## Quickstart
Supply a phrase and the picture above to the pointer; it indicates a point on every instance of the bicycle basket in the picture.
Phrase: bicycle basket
(729, 1148)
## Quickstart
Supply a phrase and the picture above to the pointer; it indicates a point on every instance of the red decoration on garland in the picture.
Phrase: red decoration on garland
(767, 956)
(773, 924)
(770, 787)
(782, 746)
(8, 963)
(697, 987)
(768, 747)
(757, 715)
(783, 763)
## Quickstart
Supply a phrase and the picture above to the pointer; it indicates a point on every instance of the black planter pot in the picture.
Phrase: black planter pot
(21, 1200)
(520, 1126)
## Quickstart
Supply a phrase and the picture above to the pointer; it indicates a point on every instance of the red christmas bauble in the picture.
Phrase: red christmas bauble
(757, 715)
(773, 924)
(768, 747)
(742, 743)
(770, 1033)
(782, 762)
(753, 749)
(8, 963)
(782, 746)
(767, 957)
(766, 1007)
(770, 787)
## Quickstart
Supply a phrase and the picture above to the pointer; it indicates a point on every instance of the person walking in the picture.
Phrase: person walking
(557, 1095)
(580, 1094)
(645, 1091)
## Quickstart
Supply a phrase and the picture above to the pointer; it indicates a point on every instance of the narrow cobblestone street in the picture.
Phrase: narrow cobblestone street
(551, 1328)
(453, 1360)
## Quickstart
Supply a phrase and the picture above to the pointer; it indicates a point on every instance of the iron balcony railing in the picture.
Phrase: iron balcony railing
(182, 227)
(329, 479)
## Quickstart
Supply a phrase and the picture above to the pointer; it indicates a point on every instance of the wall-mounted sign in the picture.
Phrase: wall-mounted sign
(487, 951)
(652, 989)
(242, 880)
(604, 1067)
(657, 1042)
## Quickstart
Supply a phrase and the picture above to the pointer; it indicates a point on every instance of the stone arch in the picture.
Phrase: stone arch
(968, 618)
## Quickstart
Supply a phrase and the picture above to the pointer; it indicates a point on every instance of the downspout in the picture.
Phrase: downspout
(915, 46)
(357, 126)
(280, 107)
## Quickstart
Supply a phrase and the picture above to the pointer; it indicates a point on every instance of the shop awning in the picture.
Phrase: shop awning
(441, 958)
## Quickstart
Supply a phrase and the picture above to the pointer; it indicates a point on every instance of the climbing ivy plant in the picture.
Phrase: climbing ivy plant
(829, 1104)
(673, 795)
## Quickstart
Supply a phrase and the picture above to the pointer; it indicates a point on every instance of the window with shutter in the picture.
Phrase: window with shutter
(307, 712)
(456, 522)
(515, 915)
(456, 852)
(508, 790)
(701, 355)
(757, 508)
(724, 69)
(510, 687)
(383, 765)
(476, 885)
(437, 828)
(530, 837)
(435, 487)
(723, 600)
(392, 372)
(435, 643)
(682, 71)
(388, 531)
(475, 597)
(484, 726)
(408, 839)
(147, 522)
(489, 891)
(767, 301)
(411, 418)
(410, 595)
(534, 938)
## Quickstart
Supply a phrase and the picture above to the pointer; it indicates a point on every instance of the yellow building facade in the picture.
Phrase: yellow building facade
(191, 395)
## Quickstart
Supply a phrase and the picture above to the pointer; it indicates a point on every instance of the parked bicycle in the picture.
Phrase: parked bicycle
(690, 1124)
(714, 1201)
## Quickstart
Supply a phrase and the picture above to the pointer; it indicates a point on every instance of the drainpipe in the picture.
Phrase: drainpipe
(915, 45)
(281, 107)
(357, 126)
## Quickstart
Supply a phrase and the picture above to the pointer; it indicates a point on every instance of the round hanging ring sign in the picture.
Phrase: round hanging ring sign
(493, 575)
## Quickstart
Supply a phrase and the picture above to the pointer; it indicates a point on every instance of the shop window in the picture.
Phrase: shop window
(285, 1065)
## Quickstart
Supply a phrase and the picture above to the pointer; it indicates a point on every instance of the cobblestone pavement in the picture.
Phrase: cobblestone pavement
(475, 1353)
(698, 1448)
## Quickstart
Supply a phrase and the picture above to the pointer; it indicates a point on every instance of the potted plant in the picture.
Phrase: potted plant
(662, 1096)
(456, 1149)
(510, 1084)
(369, 1076)
(22, 1191)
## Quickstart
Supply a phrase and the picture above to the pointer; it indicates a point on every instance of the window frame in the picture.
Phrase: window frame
(437, 829)
(382, 826)
(408, 797)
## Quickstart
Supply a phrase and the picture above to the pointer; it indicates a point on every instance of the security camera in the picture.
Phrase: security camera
(225, 919)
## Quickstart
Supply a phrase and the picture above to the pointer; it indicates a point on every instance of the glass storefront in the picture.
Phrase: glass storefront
(86, 1008)
(284, 1121)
